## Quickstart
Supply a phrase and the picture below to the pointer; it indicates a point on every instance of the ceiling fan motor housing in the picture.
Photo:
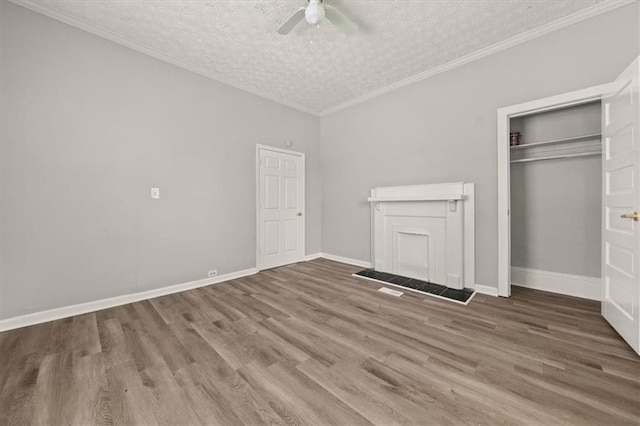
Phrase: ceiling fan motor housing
(314, 13)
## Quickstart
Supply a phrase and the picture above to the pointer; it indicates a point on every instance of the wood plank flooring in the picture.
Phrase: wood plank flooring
(309, 344)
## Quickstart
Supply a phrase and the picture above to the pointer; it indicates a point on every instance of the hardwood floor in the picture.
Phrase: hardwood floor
(309, 344)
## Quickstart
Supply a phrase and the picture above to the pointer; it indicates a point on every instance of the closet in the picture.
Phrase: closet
(569, 197)
(556, 200)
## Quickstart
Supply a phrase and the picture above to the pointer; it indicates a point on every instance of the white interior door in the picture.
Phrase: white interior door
(621, 234)
(280, 208)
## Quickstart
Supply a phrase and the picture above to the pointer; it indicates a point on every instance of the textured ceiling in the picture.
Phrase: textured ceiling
(314, 68)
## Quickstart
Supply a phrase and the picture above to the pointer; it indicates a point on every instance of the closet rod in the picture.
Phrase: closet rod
(553, 157)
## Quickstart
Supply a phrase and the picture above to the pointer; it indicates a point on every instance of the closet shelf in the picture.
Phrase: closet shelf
(554, 157)
(556, 141)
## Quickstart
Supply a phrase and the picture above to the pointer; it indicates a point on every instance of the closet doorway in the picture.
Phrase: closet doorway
(568, 197)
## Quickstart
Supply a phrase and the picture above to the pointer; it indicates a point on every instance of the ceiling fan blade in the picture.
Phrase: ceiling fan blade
(293, 20)
(340, 21)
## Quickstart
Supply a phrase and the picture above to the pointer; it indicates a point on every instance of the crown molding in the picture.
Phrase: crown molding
(590, 12)
(81, 24)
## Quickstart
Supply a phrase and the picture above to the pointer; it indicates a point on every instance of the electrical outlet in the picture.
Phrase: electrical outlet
(213, 273)
(155, 193)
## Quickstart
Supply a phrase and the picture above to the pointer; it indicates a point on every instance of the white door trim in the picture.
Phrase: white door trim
(503, 152)
(304, 212)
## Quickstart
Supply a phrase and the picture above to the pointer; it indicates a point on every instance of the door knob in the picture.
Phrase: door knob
(633, 216)
(300, 214)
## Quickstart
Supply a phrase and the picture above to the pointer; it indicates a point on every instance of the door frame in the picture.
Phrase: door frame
(301, 155)
(504, 115)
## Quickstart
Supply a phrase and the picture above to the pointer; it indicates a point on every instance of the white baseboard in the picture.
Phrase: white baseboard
(485, 289)
(555, 282)
(312, 256)
(347, 260)
(97, 305)
(83, 308)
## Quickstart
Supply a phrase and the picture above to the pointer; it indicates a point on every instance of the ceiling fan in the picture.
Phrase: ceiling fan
(314, 13)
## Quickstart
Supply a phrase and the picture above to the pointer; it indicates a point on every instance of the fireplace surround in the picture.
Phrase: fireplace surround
(425, 232)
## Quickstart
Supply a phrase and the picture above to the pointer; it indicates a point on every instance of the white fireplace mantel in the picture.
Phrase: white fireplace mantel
(450, 197)
(427, 192)
(425, 232)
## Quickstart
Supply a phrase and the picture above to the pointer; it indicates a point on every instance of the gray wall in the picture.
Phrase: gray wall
(88, 127)
(444, 128)
(556, 205)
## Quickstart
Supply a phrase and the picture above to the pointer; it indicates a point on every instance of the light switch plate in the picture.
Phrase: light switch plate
(155, 193)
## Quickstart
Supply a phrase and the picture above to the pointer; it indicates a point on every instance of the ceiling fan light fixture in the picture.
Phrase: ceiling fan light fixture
(314, 13)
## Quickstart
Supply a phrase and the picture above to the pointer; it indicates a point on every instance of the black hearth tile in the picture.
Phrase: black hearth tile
(371, 273)
(454, 294)
(414, 284)
(432, 288)
(422, 286)
(399, 280)
(383, 276)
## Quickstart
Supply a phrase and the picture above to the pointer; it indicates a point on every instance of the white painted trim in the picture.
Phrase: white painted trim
(504, 167)
(463, 263)
(347, 260)
(485, 289)
(304, 191)
(312, 256)
(555, 282)
(504, 204)
(469, 226)
(97, 305)
(444, 197)
(280, 150)
(590, 12)
(41, 8)
(563, 100)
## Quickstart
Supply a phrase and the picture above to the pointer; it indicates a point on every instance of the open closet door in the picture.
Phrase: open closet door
(621, 234)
